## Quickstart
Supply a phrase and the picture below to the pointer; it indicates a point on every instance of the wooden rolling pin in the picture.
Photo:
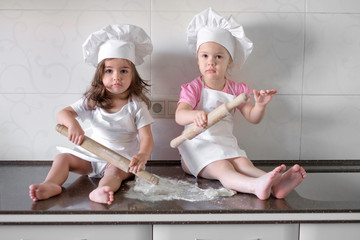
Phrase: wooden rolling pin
(213, 117)
(109, 155)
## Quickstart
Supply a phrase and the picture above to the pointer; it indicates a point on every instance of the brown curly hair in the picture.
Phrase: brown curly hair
(98, 96)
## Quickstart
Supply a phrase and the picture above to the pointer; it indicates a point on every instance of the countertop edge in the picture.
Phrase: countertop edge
(110, 219)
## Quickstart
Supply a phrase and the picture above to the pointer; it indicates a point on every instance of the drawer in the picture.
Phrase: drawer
(76, 232)
(330, 231)
(226, 232)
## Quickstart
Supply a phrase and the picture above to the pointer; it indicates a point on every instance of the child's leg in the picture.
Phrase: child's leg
(245, 166)
(109, 184)
(59, 172)
(224, 171)
(288, 181)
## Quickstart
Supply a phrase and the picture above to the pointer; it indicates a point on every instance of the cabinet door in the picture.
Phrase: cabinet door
(226, 232)
(76, 232)
(330, 231)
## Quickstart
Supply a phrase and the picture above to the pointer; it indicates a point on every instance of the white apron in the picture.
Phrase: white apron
(217, 142)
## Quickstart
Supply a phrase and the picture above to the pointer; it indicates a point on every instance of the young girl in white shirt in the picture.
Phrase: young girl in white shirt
(117, 109)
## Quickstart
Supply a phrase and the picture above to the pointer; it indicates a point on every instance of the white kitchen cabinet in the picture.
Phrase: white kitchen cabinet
(75, 232)
(226, 232)
(330, 231)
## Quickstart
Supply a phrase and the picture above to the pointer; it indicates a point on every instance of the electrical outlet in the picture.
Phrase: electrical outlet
(163, 108)
(158, 108)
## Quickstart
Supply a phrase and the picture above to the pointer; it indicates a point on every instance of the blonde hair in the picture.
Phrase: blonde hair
(98, 96)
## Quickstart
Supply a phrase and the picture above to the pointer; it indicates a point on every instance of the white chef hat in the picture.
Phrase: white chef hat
(208, 26)
(117, 41)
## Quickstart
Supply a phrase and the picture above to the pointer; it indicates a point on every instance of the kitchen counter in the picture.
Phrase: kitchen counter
(72, 206)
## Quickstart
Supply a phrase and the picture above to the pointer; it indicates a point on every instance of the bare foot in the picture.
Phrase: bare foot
(289, 180)
(43, 191)
(266, 181)
(102, 194)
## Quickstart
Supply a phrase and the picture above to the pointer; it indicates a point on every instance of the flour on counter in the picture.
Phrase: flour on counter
(173, 189)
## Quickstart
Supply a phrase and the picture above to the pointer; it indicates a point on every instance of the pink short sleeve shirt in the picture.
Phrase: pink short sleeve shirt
(190, 93)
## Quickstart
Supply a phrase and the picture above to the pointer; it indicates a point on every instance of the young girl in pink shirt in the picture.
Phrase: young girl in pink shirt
(214, 154)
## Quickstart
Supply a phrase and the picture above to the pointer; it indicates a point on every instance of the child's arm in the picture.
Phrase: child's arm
(255, 113)
(67, 117)
(146, 148)
(185, 115)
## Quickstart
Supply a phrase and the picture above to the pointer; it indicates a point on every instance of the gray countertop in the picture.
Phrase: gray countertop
(73, 205)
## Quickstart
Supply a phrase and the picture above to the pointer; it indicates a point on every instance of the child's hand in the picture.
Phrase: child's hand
(137, 162)
(200, 119)
(76, 134)
(263, 97)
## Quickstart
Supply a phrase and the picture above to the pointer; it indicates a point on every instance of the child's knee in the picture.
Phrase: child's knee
(114, 171)
(61, 158)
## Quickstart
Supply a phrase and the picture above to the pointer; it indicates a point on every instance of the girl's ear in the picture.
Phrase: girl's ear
(228, 72)
(229, 67)
(230, 64)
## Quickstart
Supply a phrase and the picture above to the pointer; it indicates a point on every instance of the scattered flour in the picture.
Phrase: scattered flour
(173, 189)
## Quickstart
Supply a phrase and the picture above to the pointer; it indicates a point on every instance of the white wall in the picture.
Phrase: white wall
(309, 50)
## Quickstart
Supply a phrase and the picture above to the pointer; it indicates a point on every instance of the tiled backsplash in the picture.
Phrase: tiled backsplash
(309, 50)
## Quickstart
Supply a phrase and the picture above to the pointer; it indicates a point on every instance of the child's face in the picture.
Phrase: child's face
(213, 60)
(117, 75)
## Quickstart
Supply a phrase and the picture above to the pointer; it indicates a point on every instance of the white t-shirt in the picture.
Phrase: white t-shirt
(117, 131)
